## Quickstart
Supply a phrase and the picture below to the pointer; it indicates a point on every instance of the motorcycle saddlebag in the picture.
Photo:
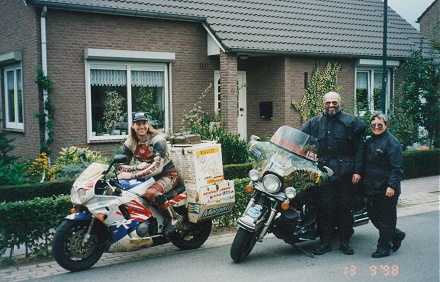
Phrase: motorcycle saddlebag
(193, 138)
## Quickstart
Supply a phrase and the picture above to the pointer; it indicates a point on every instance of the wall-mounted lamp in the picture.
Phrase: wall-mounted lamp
(243, 57)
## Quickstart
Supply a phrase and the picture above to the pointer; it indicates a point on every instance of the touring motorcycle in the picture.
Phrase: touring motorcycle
(284, 180)
(111, 216)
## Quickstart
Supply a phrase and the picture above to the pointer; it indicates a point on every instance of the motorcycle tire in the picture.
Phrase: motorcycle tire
(192, 238)
(243, 244)
(67, 249)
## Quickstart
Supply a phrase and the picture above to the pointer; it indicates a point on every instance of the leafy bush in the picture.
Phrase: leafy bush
(234, 149)
(5, 148)
(421, 163)
(15, 173)
(30, 222)
(70, 155)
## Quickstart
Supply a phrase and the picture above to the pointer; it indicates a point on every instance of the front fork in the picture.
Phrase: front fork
(273, 213)
(89, 231)
(266, 223)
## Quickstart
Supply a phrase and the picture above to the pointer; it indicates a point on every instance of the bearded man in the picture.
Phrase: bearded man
(341, 145)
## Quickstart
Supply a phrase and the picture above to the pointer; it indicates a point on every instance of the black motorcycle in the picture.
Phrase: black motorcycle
(282, 188)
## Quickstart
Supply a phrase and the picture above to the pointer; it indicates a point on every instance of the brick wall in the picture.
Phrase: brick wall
(280, 80)
(69, 33)
(19, 31)
(429, 21)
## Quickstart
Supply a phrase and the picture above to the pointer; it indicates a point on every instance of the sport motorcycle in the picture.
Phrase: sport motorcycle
(109, 215)
(282, 201)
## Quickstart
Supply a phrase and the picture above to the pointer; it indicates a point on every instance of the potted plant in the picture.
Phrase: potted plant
(113, 108)
(98, 129)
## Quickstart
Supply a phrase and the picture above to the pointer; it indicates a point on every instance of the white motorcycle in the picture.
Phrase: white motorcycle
(110, 217)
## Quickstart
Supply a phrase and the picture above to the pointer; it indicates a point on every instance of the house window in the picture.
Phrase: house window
(13, 88)
(116, 90)
(369, 90)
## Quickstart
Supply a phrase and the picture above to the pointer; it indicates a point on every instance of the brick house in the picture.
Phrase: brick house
(258, 56)
(430, 22)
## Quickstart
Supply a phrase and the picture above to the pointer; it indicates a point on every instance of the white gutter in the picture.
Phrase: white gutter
(44, 65)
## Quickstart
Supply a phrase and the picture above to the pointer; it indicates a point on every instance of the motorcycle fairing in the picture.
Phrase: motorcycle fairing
(79, 216)
(253, 218)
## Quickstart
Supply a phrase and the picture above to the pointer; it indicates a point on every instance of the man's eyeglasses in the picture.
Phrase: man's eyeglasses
(376, 125)
(331, 102)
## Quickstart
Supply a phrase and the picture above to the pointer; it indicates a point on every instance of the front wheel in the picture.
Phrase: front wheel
(68, 248)
(194, 237)
(243, 244)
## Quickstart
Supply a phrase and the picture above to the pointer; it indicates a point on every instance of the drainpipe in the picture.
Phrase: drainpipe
(44, 65)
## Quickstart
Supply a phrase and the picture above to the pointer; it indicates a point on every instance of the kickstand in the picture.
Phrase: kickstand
(302, 250)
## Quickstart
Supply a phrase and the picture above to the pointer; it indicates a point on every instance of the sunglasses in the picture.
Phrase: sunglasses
(376, 125)
(331, 102)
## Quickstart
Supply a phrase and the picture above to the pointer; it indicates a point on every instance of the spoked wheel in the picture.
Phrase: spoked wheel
(69, 250)
(193, 237)
(243, 244)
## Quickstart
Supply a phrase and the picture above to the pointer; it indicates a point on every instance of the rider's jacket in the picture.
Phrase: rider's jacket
(154, 152)
(383, 164)
(340, 139)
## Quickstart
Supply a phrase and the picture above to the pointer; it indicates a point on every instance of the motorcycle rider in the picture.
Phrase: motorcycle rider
(340, 138)
(150, 147)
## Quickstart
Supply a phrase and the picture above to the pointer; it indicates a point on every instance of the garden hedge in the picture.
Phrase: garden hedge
(421, 163)
(12, 193)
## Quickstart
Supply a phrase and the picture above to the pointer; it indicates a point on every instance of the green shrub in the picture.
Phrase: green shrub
(70, 155)
(31, 222)
(233, 171)
(421, 163)
(11, 193)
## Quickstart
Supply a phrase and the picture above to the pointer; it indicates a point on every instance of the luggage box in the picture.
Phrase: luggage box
(210, 201)
(198, 165)
(186, 139)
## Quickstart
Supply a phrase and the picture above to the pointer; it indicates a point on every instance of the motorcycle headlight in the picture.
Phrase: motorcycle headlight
(271, 183)
(82, 196)
(254, 175)
(290, 192)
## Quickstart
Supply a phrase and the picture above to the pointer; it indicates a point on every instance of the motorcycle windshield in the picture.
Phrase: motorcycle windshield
(290, 154)
(296, 141)
(89, 176)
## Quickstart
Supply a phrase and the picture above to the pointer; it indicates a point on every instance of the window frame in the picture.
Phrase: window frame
(17, 125)
(371, 87)
(128, 66)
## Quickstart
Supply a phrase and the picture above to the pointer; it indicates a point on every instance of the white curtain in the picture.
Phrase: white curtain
(147, 78)
(362, 80)
(108, 77)
(119, 78)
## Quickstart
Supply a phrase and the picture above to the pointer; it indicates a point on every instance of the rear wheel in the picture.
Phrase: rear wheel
(243, 244)
(68, 248)
(194, 237)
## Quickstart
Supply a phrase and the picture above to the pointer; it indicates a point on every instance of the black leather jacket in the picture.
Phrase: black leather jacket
(341, 144)
(383, 164)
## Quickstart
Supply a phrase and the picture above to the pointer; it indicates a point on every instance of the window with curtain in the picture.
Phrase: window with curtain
(119, 90)
(13, 88)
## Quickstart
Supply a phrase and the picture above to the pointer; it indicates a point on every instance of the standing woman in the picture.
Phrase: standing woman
(149, 146)
(383, 173)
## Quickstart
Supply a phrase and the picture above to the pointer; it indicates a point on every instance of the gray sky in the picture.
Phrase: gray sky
(410, 10)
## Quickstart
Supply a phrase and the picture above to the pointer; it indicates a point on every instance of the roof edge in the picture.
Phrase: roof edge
(114, 11)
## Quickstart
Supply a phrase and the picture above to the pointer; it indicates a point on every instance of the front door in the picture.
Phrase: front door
(241, 100)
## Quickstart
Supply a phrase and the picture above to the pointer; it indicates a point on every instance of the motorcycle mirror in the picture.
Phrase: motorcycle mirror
(82, 157)
(328, 170)
(119, 159)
